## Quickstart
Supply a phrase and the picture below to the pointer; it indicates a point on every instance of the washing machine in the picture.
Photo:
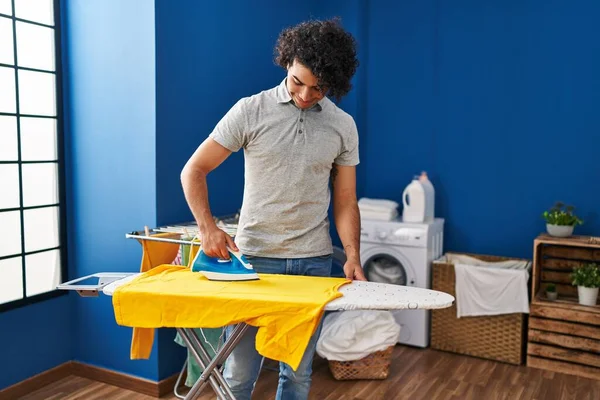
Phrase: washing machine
(401, 254)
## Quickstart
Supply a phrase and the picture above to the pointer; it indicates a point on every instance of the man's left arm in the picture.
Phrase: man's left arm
(347, 218)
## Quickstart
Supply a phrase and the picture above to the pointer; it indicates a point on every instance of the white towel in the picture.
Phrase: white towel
(378, 215)
(490, 291)
(377, 204)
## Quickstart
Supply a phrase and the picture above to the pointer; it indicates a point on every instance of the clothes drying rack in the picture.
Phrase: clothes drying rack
(356, 295)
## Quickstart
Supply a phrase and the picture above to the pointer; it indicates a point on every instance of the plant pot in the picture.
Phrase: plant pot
(587, 296)
(552, 295)
(560, 230)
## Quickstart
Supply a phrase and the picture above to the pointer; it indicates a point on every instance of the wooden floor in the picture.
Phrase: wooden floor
(414, 374)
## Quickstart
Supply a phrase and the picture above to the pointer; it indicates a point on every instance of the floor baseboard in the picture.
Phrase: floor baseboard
(125, 381)
(36, 382)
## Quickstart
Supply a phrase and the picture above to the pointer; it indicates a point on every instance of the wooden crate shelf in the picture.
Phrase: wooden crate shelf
(563, 336)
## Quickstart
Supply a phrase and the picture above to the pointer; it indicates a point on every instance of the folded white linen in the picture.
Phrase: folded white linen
(377, 204)
(378, 215)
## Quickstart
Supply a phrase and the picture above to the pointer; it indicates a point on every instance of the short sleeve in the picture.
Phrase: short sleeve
(349, 153)
(231, 131)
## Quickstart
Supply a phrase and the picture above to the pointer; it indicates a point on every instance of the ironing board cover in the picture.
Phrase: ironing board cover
(359, 295)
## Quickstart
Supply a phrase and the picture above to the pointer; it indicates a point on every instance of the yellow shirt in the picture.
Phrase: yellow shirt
(286, 308)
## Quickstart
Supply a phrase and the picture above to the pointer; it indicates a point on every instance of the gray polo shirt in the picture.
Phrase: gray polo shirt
(288, 156)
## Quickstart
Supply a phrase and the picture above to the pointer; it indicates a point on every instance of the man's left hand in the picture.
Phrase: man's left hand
(354, 271)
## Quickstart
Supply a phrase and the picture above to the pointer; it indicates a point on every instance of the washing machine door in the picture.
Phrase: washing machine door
(387, 265)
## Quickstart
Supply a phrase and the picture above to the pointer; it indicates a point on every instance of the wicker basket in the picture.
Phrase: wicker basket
(374, 366)
(498, 337)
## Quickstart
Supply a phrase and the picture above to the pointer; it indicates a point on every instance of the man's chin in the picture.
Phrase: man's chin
(303, 105)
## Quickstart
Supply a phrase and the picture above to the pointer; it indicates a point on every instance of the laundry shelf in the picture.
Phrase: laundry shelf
(566, 302)
(563, 335)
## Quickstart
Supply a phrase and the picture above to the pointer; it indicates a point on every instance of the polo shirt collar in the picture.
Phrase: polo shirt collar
(283, 96)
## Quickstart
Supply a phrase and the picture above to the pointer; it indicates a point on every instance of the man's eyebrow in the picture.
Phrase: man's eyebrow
(302, 83)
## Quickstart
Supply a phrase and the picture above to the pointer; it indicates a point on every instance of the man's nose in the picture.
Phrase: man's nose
(305, 93)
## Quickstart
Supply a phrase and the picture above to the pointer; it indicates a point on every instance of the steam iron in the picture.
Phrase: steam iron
(237, 268)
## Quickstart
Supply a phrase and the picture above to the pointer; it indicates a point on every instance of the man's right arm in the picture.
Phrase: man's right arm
(207, 157)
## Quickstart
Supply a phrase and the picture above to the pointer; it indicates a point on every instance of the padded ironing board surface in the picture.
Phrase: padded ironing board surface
(359, 295)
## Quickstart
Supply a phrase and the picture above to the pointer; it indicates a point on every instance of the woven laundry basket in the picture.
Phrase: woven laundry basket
(498, 337)
(374, 366)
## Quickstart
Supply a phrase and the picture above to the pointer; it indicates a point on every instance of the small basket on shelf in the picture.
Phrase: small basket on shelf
(374, 366)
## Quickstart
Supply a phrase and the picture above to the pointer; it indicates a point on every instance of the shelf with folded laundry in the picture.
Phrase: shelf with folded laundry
(563, 336)
(488, 319)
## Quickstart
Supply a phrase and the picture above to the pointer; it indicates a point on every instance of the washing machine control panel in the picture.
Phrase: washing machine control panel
(390, 234)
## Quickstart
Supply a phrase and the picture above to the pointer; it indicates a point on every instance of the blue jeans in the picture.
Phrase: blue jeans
(243, 365)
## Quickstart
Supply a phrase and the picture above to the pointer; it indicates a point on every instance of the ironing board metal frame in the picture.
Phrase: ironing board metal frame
(211, 374)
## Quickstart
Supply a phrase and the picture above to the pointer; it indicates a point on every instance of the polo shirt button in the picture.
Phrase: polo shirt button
(300, 131)
(301, 120)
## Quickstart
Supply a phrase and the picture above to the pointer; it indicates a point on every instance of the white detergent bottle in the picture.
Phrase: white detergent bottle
(413, 201)
(429, 196)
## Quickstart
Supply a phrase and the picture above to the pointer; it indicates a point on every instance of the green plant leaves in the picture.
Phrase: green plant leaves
(587, 275)
(562, 214)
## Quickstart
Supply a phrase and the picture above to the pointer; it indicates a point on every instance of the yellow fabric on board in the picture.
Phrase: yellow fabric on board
(154, 254)
(286, 308)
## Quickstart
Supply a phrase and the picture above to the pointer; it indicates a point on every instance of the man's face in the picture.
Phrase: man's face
(303, 86)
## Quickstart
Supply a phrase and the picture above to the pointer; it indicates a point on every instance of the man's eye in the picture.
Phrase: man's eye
(297, 82)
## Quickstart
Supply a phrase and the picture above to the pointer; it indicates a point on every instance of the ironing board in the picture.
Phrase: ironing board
(356, 295)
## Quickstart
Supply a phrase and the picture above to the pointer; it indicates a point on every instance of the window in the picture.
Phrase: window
(32, 222)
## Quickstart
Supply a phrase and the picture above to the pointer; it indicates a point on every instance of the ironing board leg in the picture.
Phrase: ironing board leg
(193, 348)
(211, 374)
(178, 383)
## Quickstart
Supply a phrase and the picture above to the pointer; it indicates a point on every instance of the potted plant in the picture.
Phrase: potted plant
(587, 280)
(551, 293)
(561, 220)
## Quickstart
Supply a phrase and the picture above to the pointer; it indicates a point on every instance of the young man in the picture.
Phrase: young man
(296, 142)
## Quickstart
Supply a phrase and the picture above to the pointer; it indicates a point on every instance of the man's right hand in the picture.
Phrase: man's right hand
(215, 242)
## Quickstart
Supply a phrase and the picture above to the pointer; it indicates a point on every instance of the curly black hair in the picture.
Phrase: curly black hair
(325, 48)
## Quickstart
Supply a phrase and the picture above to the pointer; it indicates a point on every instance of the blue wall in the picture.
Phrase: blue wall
(110, 106)
(496, 100)
(34, 339)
